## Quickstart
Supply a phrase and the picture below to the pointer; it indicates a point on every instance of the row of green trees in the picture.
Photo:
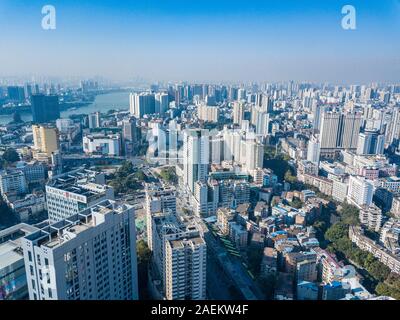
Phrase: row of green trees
(386, 282)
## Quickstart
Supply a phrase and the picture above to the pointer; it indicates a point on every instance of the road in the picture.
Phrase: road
(233, 268)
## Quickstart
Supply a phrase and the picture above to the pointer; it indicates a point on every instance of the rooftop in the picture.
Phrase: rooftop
(56, 234)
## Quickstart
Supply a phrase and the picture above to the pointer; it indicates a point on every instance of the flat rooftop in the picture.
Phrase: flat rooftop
(10, 253)
(56, 234)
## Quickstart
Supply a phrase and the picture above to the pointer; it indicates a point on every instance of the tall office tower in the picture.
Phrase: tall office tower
(385, 97)
(241, 94)
(195, 156)
(369, 94)
(216, 149)
(94, 120)
(260, 119)
(208, 113)
(265, 102)
(89, 256)
(161, 103)
(371, 142)
(185, 268)
(254, 155)
(233, 93)
(238, 113)
(210, 100)
(28, 90)
(339, 131)
(178, 96)
(394, 132)
(129, 135)
(360, 191)
(141, 104)
(231, 145)
(316, 111)
(45, 108)
(13, 284)
(314, 149)
(263, 123)
(75, 191)
(46, 139)
(189, 93)
(173, 134)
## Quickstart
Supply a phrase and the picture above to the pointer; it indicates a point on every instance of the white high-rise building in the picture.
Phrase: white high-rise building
(208, 113)
(94, 120)
(394, 132)
(75, 191)
(185, 267)
(360, 191)
(196, 147)
(205, 198)
(179, 258)
(317, 111)
(141, 104)
(370, 142)
(89, 256)
(158, 200)
(238, 113)
(161, 103)
(254, 155)
(339, 131)
(314, 150)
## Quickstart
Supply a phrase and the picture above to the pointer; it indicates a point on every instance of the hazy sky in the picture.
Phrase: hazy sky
(203, 40)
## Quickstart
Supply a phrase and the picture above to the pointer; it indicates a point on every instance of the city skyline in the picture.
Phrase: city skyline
(218, 151)
(207, 41)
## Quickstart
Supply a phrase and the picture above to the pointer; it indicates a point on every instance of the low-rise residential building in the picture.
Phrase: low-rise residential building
(396, 207)
(371, 217)
(391, 260)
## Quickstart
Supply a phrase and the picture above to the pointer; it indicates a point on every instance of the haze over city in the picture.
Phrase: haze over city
(203, 41)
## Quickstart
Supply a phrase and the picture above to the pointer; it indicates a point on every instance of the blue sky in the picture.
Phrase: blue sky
(270, 40)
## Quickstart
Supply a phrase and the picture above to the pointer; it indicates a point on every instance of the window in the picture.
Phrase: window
(33, 285)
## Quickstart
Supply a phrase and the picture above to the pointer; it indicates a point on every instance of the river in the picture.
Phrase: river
(102, 103)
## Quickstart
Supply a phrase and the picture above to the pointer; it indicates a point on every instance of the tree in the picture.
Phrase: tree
(296, 203)
(143, 259)
(337, 231)
(349, 214)
(289, 177)
(125, 170)
(143, 252)
(139, 175)
(11, 156)
(169, 175)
